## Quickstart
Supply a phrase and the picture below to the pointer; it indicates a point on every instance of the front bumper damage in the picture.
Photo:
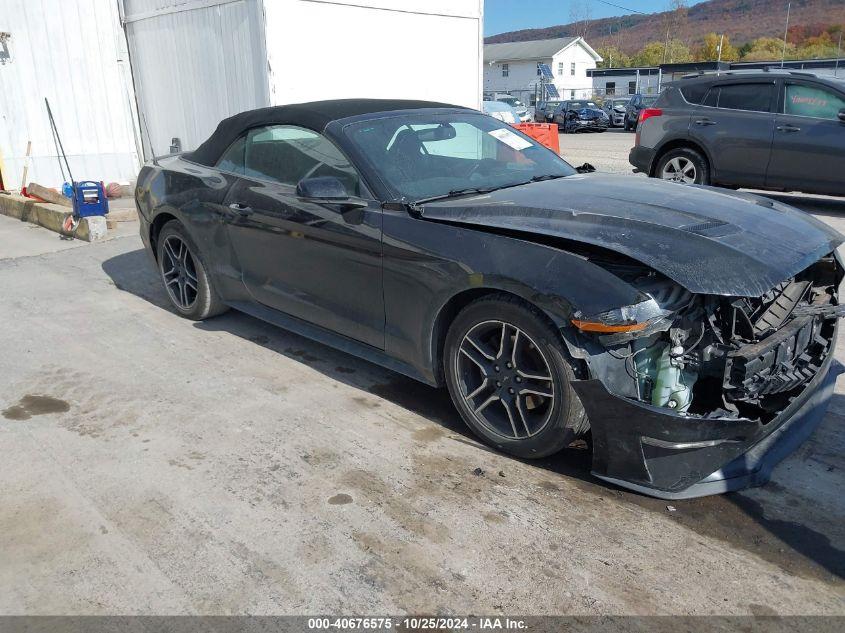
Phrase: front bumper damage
(671, 455)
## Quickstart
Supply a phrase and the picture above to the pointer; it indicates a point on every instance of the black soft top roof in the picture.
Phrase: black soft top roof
(315, 115)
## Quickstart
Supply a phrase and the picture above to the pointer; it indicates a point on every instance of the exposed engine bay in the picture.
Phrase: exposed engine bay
(715, 356)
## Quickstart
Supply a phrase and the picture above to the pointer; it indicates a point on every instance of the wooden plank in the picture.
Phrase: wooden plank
(48, 195)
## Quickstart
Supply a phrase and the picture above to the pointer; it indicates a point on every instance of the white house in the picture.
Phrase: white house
(513, 67)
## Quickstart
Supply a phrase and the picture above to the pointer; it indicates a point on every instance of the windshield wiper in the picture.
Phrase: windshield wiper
(452, 194)
(462, 192)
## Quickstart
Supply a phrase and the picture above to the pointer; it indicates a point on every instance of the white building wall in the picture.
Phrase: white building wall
(407, 49)
(565, 81)
(194, 62)
(73, 53)
(522, 76)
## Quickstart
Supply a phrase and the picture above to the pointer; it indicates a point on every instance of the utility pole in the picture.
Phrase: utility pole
(721, 41)
(785, 33)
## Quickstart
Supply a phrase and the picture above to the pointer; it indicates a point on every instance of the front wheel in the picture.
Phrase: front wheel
(509, 378)
(684, 165)
(185, 276)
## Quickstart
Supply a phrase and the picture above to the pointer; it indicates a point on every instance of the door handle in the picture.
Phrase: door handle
(788, 128)
(705, 122)
(241, 209)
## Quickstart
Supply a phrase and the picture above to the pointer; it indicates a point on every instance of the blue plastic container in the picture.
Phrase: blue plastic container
(90, 199)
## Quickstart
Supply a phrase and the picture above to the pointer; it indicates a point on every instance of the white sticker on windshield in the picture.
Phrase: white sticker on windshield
(509, 138)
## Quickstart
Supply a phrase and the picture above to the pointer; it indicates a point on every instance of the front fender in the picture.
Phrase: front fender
(429, 267)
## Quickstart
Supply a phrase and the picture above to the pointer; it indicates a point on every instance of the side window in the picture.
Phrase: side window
(695, 93)
(803, 100)
(287, 154)
(712, 98)
(753, 97)
(233, 158)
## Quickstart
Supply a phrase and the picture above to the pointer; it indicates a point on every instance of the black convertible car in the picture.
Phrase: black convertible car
(688, 332)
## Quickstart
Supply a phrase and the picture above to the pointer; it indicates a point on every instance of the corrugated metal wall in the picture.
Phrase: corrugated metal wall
(194, 62)
(70, 52)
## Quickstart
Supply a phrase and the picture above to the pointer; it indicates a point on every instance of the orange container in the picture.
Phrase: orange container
(545, 133)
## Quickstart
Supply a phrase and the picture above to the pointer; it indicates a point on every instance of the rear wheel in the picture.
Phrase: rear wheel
(185, 276)
(684, 165)
(509, 377)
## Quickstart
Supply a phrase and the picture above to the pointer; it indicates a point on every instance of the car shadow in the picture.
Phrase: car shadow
(777, 522)
(133, 272)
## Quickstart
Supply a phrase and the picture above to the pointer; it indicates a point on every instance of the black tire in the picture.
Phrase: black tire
(540, 426)
(201, 302)
(699, 162)
(625, 125)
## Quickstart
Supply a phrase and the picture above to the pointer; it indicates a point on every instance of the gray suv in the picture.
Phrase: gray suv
(778, 130)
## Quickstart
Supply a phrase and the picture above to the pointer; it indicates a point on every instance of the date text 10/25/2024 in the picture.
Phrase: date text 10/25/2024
(418, 623)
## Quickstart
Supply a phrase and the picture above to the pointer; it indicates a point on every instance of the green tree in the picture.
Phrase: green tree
(655, 53)
(709, 50)
(766, 49)
(818, 47)
(613, 57)
(649, 55)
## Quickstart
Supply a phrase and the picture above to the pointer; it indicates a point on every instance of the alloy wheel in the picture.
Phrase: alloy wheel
(505, 380)
(680, 169)
(179, 272)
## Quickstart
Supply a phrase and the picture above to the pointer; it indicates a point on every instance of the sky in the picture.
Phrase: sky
(511, 15)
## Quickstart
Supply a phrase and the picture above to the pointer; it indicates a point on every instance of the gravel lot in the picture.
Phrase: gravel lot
(230, 467)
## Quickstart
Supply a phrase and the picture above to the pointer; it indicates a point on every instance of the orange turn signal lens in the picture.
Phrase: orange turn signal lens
(594, 326)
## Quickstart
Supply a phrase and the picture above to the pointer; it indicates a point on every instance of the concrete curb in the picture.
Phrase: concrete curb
(51, 216)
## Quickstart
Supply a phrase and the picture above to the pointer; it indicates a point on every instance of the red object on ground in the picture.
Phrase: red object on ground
(31, 196)
(545, 133)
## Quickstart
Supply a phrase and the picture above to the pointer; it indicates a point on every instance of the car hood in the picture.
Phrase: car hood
(710, 241)
(590, 113)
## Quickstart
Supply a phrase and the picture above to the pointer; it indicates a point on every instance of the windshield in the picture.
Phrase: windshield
(516, 103)
(424, 156)
(580, 105)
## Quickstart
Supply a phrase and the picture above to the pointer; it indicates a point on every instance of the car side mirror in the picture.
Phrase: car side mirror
(327, 188)
(842, 115)
(330, 190)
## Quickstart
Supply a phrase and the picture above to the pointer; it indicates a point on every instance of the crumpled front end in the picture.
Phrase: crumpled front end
(690, 395)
